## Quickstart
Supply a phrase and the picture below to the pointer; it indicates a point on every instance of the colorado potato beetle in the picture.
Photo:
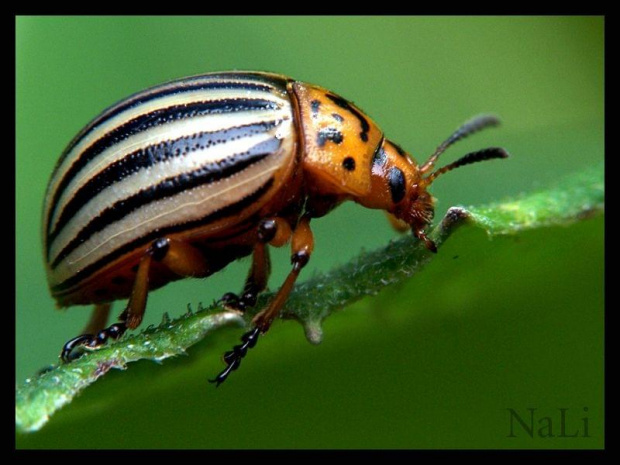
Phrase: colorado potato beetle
(181, 179)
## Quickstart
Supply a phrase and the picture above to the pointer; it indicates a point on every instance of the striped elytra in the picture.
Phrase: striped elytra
(164, 161)
(183, 178)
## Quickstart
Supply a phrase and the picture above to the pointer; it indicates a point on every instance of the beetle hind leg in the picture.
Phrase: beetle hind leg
(181, 258)
(130, 318)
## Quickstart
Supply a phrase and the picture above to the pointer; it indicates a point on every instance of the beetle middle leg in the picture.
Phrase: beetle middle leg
(255, 283)
(302, 244)
(179, 257)
(271, 231)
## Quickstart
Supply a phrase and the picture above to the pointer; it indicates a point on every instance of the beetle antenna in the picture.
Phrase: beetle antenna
(473, 125)
(473, 157)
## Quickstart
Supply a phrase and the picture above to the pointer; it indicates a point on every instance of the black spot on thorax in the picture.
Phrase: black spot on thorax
(330, 133)
(348, 163)
(314, 107)
(342, 103)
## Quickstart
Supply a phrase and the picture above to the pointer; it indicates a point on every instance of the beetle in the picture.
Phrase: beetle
(183, 178)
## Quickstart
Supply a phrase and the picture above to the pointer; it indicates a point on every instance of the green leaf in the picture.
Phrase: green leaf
(572, 199)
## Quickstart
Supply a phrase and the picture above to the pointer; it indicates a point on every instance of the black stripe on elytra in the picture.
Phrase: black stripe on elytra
(152, 119)
(228, 210)
(342, 103)
(274, 80)
(326, 134)
(206, 174)
(396, 181)
(192, 84)
(147, 157)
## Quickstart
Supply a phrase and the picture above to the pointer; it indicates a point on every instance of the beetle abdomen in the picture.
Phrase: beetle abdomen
(193, 154)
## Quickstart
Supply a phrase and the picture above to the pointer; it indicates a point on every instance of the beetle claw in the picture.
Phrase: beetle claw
(67, 355)
(233, 357)
(239, 303)
(232, 301)
(90, 341)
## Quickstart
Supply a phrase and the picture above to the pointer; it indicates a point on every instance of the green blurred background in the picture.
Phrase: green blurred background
(432, 364)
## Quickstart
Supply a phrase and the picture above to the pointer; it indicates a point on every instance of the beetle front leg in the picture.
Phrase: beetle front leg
(302, 246)
(428, 243)
(179, 257)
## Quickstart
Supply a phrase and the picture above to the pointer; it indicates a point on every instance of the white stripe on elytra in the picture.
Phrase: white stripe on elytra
(161, 214)
(148, 177)
(148, 107)
(152, 137)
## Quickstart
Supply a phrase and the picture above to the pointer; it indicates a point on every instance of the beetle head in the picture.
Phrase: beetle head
(400, 184)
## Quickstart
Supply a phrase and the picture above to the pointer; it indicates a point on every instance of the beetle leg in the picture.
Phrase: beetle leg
(272, 231)
(255, 283)
(179, 257)
(98, 319)
(302, 246)
(428, 243)
(396, 223)
(258, 277)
